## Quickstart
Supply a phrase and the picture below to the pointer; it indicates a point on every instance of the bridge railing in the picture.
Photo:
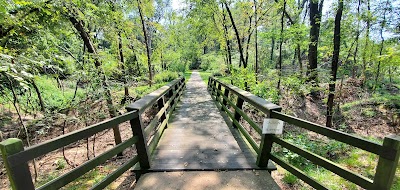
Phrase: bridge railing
(166, 99)
(16, 158)
(388, 152)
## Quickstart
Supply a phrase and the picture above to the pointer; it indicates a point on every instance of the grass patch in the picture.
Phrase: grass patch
(187, 75)
(205, 75)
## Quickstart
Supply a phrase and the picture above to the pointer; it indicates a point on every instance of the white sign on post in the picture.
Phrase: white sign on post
(272, 126)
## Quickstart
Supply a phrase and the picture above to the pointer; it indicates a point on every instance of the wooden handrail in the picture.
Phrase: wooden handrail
(16, 157)
(389, 151)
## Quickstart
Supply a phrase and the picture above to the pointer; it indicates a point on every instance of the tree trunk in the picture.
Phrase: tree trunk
(364, 56)
(280, 47)
(271, 59)
(334, 67)
(39, 95)
(356, 41)
(146, 42)
(121, 58)
(383, 24)
(315, 18)
(228, 43)
(256, 39)
(91, 49)
(237, 36)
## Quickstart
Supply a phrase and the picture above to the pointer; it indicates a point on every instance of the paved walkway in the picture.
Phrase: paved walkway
(198, 138)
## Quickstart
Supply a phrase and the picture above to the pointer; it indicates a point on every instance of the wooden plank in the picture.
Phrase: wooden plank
(141, 145)
(298, 173)
(244, 115)
(254, 100)
(19, 176)
(327, 164)
(331, 133)
(63, 140)
(152, 145)
(386, 168)
(115, 174)
(87, 166)
(151, 98)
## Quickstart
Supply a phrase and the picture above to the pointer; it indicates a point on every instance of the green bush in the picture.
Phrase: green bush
(166, 76)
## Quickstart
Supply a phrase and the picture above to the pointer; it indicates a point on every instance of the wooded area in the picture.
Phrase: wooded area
(69, 64)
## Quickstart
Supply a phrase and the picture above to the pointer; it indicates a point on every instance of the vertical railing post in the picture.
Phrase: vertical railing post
(215, 88)
(19, 175)
(160, 104)
(266, 144)
(387, 163)
(141, 144)
(226, 94)
(209, 82)
(219, 89)
(239, 104)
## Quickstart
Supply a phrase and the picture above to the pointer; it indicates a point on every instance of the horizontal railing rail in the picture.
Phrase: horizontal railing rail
(16, 158)
(173, 91)
(388, 152)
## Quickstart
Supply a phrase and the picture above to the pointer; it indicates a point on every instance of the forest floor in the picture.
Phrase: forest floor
(361, 112)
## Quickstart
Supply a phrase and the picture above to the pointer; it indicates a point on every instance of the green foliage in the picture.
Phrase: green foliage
(56, 99)
(289, 178)
(166, 76)
(368, 112)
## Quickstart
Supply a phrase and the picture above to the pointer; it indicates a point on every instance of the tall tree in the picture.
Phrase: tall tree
(315, 23)
(146, 39)
(279, 65)
(335, 61)
(383, 24)
(78, 24)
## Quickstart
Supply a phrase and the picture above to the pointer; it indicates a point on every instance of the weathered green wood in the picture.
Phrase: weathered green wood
(265, 150)
(141, 145)
(298, 173)
(156, 138)
(61, 141)
(260, 103)
(153, 97)
(219, 91)
(239, 105)
(19, 176)
(87, 166)
(240, 127)
(332, 133)
(226, 94)
(162, 109)
(244, 115)
(248, 137)
(115, 174)
(386, 168)
(150, 127)
(327, 164)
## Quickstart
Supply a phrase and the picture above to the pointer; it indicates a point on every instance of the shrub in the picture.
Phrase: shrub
(166, 76)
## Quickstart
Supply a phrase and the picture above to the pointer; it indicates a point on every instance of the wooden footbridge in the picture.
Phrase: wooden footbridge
(201, 143)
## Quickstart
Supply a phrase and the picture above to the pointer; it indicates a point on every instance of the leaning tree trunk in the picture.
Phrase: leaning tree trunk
(335, 60)
(146, 42)
(39, 95)
(237, 36)
(107, 93)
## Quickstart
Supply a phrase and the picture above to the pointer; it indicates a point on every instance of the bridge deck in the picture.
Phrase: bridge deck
(198, 138)
(198, 147)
